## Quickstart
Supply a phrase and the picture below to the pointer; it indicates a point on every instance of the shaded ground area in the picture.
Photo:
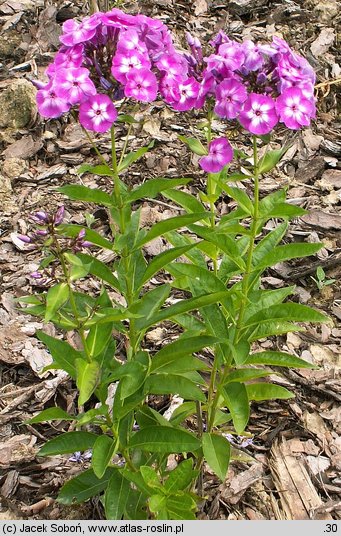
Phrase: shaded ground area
(291, 468)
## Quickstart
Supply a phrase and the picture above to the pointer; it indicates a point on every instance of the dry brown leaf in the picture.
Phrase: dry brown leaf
(323, 42)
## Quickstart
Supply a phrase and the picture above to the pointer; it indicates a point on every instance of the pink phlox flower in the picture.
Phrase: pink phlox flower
(219, 39)
(172, 64)
(141, 85)
(207, 87)
(294, 110)
(294, 67)
(79, 32)
(118, 19)
(129, 42)
(220, 153)
(254, 56)
(123, 63)
(230, 95)
(97, 113)
(232, 54)
(74, 85)
(258, 115)
(305, 86)
(189, 91)
(169, 88)
(49, 103)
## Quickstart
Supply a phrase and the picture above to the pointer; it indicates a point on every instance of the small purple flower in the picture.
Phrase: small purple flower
(36, 275)
(129, 43)
(24, 238)
(294, 110)
(74, 85)
(59, 216)
(39, 217)
(259, 114)
(122, 64)
(189, 91)
(75, 33)
(169, 88)
(220, 153)
(97, 113)
(172, 65)
(141, 85)
(230, 95)
(254, 58)
(49, 103)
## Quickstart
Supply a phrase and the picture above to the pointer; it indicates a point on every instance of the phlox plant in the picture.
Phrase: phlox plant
(110, 64)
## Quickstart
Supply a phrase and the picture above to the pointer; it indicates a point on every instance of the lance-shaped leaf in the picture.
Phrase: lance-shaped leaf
(170, 224)
(180, 348)
(162, 260)
(100, 270)
(195, 145)
(83, 487)
(149, 305)
(116, 496)
(101, 169)
(88, 375)
(102, 453)
(89, 195)
(64, 355)
(267, 391)
(237, 401)
(55, 299)
(241, 197)
(293, 312)
(164, 439)
(162, 384)
(68, 443)
(267, 244)
(153, 187)
(279, 359)
(271, 159)
(287, 252)
(185, 200)
(73, 231)
(133, 157)
(52, 414)
(180, 477)
(217, 453)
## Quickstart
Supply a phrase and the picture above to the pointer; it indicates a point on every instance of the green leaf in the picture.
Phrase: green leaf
(153, 187)
(180, 348)
(89, 195)
(170, 224)
(88, 375)
(185, 200)
(181, 477)
(52, 414)
(217, 453)
(132, 157)
(64, 355)
(246, 374)
(116, 496)
(101, 169)
(126, 118)
(161, 384)
(83, 487)
(267, 391)
(150, 477)
(187, 363)
(237, 401)
(287, 252)
(55, 298)
(271, 159)
(164, 439)
(98, 338)
(241, 197)
(195, 145)
(149, 305)
(182, 412)
(68, 443)
(285, 210)
(102, 453)
(279, 359)
(162, 260)
(267, 244)
(187, 305)
(133, 380)
(99, 269)
(293, 312)
(268, 328)
(180, 506)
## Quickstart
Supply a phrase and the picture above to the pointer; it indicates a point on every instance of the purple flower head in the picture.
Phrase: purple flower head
(117, 19)
(169, 88)
(69, 56)
(254, 59)
(189, 91)
(172, 65)
(39, 217)
(230, 95)
(141, 85)
(74, 85)
(294, 110)
(75, 33)
(258, 115)
(220, 153)
(97, 113)
(129, 43)
(230, 56)
(207, 87)
(123, 63)
(59, 216)
(49, 103)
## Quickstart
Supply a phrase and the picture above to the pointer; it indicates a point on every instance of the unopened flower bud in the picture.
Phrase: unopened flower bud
(59, 216)
(39, 217)
(190, 39)
(81, 234)
(41, 232)
(36, 275)
(86, 244)
(24, 238)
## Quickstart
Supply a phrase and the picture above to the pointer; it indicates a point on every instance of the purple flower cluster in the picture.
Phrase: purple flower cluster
(259, 85)
(106, 57)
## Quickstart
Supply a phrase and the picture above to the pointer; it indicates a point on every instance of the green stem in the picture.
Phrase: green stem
(94, 146)
(253, 233)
